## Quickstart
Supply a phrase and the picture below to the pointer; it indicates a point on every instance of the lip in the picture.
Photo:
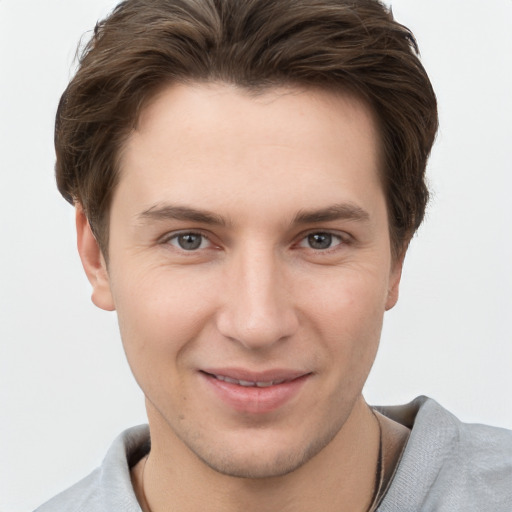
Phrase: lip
(275, 388)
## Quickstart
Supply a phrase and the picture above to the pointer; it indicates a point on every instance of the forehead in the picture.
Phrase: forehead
(285, 145)
(281, 114)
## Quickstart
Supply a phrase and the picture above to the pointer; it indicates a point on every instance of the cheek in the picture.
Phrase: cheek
(346, 296)
(347, 314)
(160, 320)
(159, 314)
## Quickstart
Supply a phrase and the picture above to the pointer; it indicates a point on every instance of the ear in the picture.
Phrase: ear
(93, 262)
(394, 281)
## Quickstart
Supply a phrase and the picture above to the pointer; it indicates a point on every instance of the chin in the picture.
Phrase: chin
(261, 461)
(264, 467)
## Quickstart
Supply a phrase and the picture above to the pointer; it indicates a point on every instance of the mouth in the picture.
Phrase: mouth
(255, 392)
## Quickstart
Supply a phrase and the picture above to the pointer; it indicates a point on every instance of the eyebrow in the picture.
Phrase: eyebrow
(171, 212)
(344, 211)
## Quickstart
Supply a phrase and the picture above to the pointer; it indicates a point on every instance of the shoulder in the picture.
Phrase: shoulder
(449, 465)
(80, 497)
(479, 467)
(109, 486)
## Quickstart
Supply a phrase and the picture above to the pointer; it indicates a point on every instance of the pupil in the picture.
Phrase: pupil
(190, 241)
(320, 240)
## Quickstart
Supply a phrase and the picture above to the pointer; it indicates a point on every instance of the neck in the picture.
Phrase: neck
(341, 477)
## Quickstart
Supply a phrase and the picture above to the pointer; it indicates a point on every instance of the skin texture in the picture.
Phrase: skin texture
(257, 181)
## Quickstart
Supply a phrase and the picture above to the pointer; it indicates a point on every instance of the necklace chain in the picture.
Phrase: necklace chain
(143, 492)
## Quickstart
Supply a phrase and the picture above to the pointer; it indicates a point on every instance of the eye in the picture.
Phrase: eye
(321, 241)
(189, 241)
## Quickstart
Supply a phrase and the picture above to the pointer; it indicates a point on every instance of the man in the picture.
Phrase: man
(247, 177)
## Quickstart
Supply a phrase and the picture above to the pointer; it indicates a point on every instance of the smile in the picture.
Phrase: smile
(248, 383)
(254, 392)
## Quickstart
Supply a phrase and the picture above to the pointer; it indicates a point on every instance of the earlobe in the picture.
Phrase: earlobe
(93, 262)
(394, 283)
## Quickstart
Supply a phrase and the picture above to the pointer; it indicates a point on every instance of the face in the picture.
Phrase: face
(250, 267)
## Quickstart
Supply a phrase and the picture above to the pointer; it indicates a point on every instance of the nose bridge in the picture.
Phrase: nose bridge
(257, 310)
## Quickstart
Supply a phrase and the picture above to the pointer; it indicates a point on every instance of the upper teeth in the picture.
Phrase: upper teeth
(248, 383)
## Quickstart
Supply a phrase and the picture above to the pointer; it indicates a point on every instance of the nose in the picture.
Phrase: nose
(258, 308)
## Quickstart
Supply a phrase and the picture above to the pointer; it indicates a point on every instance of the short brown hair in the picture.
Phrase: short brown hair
(255, 44)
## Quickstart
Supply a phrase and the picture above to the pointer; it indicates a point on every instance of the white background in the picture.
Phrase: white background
(65, 389)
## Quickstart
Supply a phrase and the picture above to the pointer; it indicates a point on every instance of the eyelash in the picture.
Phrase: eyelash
(343, 239)
(175, 237)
